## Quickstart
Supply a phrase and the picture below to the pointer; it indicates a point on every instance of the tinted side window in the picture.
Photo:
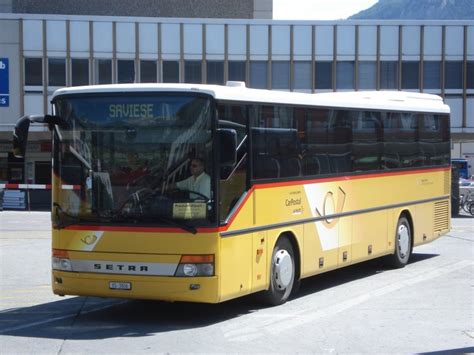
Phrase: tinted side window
(367, 143)
(434, 139)
(316, 159)
(276, 146)
(339, 141)
(401, 149)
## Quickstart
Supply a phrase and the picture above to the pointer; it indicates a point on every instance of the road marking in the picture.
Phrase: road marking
(49, 320)
(256, 323)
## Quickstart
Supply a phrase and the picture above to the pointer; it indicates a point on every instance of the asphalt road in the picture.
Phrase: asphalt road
(427, 307)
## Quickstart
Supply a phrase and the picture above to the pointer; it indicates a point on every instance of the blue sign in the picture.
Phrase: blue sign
(4, 84)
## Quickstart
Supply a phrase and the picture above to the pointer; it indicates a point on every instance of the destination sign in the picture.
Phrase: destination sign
(131, 110)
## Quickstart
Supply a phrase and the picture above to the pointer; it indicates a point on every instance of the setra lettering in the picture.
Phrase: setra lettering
(121, 267)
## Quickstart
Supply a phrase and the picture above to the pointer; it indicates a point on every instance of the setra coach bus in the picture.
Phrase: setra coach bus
(207, 193)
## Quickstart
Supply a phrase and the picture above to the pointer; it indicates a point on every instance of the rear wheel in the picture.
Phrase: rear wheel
(282, 273)
(403, 243)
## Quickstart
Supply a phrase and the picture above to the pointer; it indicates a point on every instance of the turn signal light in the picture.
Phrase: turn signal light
(60, 253)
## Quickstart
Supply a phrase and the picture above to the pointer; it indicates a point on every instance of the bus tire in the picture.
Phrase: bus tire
(282, 273)
(403, 243)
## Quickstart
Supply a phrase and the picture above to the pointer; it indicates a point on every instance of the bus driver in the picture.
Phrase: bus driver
(199, 181)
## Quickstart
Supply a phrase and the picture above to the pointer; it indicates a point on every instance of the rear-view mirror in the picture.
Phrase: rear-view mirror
(22, 127)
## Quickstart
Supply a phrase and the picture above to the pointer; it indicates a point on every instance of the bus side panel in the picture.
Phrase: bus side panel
(423, 228)
(235, 267)
(260, 259)
(369, 237)
(346, 234)
(316, 258)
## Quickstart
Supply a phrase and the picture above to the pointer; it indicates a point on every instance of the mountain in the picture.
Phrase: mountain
(418, 10)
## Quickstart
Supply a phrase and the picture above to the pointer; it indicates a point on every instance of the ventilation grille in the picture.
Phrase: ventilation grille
(447, 182)
(441, 216)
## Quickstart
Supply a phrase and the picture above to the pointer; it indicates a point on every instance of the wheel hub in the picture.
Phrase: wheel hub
(403, 240)
(283, 269)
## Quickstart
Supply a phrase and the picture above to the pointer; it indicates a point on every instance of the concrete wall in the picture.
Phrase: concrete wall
(145, 8)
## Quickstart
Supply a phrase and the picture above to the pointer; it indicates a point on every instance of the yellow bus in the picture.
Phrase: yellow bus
(207, 193)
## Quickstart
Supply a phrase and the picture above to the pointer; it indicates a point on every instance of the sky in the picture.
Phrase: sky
(318, 9)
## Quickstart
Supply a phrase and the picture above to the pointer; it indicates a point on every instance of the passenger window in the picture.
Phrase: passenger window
(367, 143)
(276, 146)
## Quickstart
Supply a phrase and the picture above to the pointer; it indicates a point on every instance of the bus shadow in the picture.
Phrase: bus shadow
(351, 273)
(91, 318)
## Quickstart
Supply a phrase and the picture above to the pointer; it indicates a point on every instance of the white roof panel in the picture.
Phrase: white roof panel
(376, 100)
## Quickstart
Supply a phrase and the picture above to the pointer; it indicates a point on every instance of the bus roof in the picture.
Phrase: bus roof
(236, 91)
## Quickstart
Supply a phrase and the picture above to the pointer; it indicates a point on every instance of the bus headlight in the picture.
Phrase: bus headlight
(60, 260)
(62, 264)
(190, 270)
(195, 265)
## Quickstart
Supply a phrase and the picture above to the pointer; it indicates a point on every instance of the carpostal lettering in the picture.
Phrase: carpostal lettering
(131, 111)
(293, 202)
(118, 267)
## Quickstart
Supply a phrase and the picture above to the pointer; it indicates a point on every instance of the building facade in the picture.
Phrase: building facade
(40, 53)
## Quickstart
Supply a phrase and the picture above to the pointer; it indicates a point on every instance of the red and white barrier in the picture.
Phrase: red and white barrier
(36, 187)
(26, 186)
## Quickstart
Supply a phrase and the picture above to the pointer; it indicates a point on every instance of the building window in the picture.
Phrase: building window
(388, 75)
(79, 72)
(237, 71)
(453, 75)
(258, 75)
(367, 73)
(104, 71)
(302, 75)
(56, 72)
(125, 71)
(170, 71)
(432, 75)
(148, 71)
(323, 73)
(281, 75)
(34, 71)
(345, 75)
(470, 75)
(215, 72)
(410, 75)
(193, 72)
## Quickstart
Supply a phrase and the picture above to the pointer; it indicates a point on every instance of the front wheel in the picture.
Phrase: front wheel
(282, 273)
(403, 243)
(471, 208)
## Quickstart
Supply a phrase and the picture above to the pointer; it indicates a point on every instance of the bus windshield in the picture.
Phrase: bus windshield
(133, 159)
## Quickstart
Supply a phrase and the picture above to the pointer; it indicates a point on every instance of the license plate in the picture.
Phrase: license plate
(114, 285)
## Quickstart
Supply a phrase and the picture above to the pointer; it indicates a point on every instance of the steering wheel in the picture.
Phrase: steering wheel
(207, 199)
(140, 198)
